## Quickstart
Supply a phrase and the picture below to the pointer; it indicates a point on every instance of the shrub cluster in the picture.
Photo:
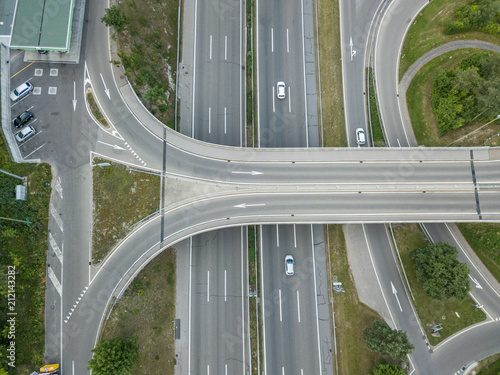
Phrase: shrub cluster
(468, 92)
(476, 15)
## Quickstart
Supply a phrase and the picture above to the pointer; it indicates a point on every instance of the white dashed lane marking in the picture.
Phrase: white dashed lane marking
(75, 305)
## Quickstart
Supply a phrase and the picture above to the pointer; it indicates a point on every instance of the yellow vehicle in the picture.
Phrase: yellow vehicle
(50, 369)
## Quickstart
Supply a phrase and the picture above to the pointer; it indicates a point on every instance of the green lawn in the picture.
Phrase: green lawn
(351, 316)
(409, 237)
(490, 365)
(418, 98)
(147, 311)
(121, 198)
(426, 32)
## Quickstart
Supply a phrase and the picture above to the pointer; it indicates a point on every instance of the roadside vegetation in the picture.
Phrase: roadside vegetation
(146, 314)
(23, 250)
(376, 125)
(423, 118)
(251, 79)
(255, 312)
(490, 365)
(146, 34)
(351, 315)
(332, 96)
(122, 197)
(428, 29)
(434, 314)
(95, 110)
(485, 240)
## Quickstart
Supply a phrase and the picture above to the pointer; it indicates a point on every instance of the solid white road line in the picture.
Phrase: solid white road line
(287, 42)
(294, 236)
(225, 47)
(283, 371)
(208, 286)
(194, 66)
(289, 101)
(55, 281)
(56, 248)
(225, 122)
(209, 119)
(304, 64)
(281, 313)
(225, 369)
(261, 246)
(208, 369)
(274, 105)
(277, 237)
(189, 302)
(315, 294)
(210, 47)
(225, 286)
(272, 39)
(298, 305)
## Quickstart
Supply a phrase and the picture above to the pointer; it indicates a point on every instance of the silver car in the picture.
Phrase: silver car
(26, 133)
(21, 91)
(289, 265)
(360, 136)
(280, 90)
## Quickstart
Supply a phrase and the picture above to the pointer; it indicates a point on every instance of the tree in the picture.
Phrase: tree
(115, 17)
(386, 341)
(386, 369)
(114, 357)
(441, 274)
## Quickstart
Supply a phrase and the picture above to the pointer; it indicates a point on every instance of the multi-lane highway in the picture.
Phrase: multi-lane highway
(230, 187)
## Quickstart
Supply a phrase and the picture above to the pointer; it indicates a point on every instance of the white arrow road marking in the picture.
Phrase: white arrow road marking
(353, 53)
(74, 96)
(253, 173)
(244, 205)
(55, 281)
(106, 90)
(478, 286)
(395, 292)
(115, 147)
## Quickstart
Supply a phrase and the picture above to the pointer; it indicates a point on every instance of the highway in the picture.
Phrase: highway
(294, 186)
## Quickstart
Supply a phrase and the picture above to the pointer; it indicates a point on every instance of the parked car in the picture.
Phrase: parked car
(360, 136)
(21, 91)
(26, 133)
(280, 90)
(289, 265)
(22, 119)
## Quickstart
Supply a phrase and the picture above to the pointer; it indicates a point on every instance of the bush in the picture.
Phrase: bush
(114, 357)
(386, 341)
(476, 15)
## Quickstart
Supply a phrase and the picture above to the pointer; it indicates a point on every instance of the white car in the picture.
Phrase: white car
(360, 136)
(280, 90)
(289, 265)
(21, 91)
(26, 133)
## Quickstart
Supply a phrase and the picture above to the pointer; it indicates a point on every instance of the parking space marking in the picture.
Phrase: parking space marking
(13, 57)
(55, 281)
(38, 72)
(52, 90)
(54, 72)
(37, 91)
(22, 70)
(35, 150)
(56, 217)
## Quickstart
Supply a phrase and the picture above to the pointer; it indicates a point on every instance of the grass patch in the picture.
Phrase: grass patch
(122, 197)
(351, 316)
(332, 99)
(25, 248)
(148, 51)
(376, 126)
(251, 127)
(255, 312)
(490, 365)
(484, 238)
(418, 98)
(147, 311)
(96, 111)
(409, 237)
(426, 32)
